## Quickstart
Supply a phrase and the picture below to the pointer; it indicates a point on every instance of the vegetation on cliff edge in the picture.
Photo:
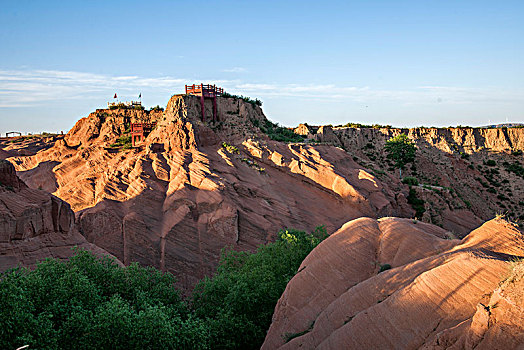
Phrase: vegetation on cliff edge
(277, 132)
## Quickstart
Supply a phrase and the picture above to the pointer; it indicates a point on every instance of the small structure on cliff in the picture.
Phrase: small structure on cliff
(205, 91)
(127, 104)
(139, 132)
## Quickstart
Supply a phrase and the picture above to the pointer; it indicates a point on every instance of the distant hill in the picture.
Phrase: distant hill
(507, 125)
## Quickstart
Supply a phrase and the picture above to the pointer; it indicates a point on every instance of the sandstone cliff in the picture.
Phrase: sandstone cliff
(466, 175)
(34, 224)
(196, 186)
(438, 294)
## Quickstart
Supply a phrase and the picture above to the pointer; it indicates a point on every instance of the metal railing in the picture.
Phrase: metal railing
(142, 127)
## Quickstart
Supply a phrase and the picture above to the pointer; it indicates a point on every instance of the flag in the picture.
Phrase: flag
(114, 96)
(140, 96)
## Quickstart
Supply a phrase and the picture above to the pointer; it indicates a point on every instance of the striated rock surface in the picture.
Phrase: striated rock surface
(196, 186)
(438, 294)
(34, 224)
(466, 175)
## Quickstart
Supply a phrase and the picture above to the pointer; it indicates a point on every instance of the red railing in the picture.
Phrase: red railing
(142, 127)
(204, 89)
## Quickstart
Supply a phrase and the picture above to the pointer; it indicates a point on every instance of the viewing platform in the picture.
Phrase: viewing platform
(206, 91)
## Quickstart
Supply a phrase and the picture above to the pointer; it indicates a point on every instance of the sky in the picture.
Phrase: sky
(404, 63)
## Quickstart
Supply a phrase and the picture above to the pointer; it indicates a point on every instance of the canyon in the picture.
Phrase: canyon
(423, 262)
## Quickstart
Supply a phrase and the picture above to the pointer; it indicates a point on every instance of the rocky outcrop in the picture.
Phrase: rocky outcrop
(471, 173)
(26, 145)
(497, 322)
(104, 125)
(34, 224)
(306, 130)
(450, 162)
(432, 297)
(467, 139)
(8, 178)
(196, 186)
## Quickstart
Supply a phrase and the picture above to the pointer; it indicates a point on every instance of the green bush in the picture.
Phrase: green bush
(384, 268)
(123, 141)
(502, 197)
(410, 180)
(255, 102)
(92, 303)
(238, 302)
(490, 162)
(401, 150)
(278, 133)
(156, 108)
(515, 168)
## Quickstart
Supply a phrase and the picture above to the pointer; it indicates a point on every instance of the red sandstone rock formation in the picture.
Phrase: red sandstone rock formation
(177, 200)
(464, 191)
(34, 224)
(439, 294)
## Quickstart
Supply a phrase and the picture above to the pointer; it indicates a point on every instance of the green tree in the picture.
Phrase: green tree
(239, 300)
(401, 150)
(92, 303)
(89, 302)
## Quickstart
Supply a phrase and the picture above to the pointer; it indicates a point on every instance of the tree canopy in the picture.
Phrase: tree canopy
(89, 302)
(401, 150)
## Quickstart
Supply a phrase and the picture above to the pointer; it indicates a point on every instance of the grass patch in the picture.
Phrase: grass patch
(123, 142)
(230, 148)
(384, 267)
(279, 133)
(362, 126)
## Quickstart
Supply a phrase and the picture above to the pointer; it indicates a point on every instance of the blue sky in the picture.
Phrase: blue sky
(404, 63)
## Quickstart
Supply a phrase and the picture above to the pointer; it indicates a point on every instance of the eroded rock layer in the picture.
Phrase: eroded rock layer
(34, 224)
(465, 175)
(196, 186)
(438, 294)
